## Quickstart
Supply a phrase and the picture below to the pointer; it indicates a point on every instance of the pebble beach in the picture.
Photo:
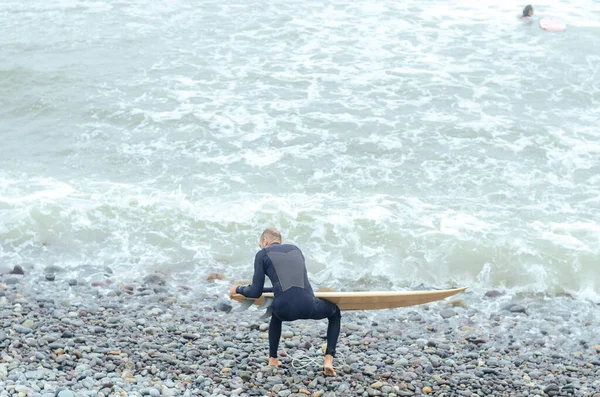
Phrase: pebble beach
(153, 337)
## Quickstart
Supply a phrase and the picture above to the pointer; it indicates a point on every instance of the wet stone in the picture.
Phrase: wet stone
(34, 374)
(154, 279)
(21, 329)
(18, 269)
(517, 309)
(223, 306)
(447, 313)
(493, 294)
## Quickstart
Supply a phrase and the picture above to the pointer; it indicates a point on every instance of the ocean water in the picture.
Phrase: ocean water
(399, 144)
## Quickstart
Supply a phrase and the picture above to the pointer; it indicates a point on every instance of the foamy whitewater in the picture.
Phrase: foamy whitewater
(399, 144)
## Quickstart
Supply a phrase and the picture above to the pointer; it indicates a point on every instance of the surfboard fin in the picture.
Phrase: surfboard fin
(268, 305)
(246, 303)
(268, 312)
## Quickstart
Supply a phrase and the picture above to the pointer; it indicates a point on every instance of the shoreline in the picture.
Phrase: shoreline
(154, 338)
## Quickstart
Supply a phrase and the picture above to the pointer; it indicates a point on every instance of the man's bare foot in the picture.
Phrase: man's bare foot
(328, 365)
(273, 362)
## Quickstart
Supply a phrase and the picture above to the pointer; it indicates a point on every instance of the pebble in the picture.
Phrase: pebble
(17, 269)
(28, 324)
(154, 278)
(154, 392)
(223, 306)
(67, 334)
(21, 329)
(447, 313)
(517, 309)
(377, 385)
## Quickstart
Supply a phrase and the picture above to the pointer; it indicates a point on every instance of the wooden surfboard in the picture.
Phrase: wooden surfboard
(371, 300)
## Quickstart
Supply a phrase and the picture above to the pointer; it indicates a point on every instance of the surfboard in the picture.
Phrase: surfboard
(371, 300)
(552, 25)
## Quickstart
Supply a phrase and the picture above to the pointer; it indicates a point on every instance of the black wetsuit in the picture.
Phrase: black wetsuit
(294, 298)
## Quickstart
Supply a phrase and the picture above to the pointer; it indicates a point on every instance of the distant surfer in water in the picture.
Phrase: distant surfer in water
(527, 12)
(294, 298)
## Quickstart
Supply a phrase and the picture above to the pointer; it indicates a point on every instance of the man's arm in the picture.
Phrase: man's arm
(255, 290)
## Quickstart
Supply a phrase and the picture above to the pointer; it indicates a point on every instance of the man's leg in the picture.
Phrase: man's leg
(325, 309)
(333, 331)
(274, 336)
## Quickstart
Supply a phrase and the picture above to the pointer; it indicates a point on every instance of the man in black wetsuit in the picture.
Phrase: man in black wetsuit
(294, 298)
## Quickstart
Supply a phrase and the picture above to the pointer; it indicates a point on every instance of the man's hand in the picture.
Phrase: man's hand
(232, 291)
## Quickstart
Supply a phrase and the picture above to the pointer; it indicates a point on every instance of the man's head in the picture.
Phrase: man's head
(528, 11)
(269, 236)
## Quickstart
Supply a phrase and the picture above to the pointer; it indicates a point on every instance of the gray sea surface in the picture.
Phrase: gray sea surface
(397, 143)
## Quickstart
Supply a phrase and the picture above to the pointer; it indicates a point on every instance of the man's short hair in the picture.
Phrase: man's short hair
(271, 234)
